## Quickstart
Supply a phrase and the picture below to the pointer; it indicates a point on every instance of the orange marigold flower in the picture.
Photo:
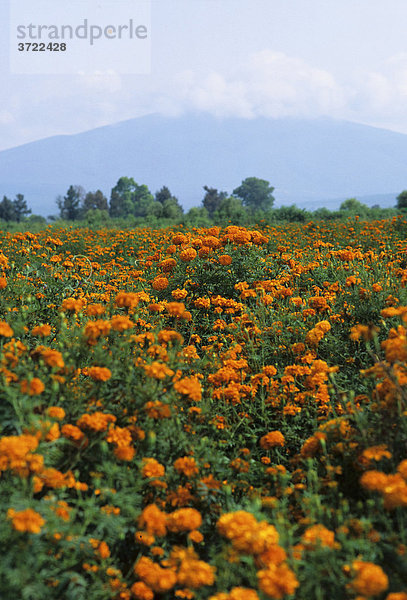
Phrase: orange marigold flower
(141, 591)
(124, 453)
(396, 596)
(155, 409)
(179, 294)
(153, 520)
(202, 303)
(103, 550)
(184, 519)
(195, 573)
(277, 581)
(3, 283)
(195, 536)
(186, 465)
(72, 305)
(158, 579)
(142, 537)
(99, 373)
(95, 310)
(319, 534)
(72, 432)
(160, 283)
(370, 579)
(5, 329)
(33, 387)
(168, 264)
(126, 299)
(188, 254)
(179, 239)
(97, 421)
(152, 468)
(63, 510)
(376, 453)
(175, 309)
(26, 520)
(324, 326)
(402, 469)
(121, 323)
(158, 370)
(272, 439)
(312, 445)
(373, 480)
(190, 387)
(41, 330)
(121, 436)
(52, 358)
(225, 260)
(56, 412)
(53, 433)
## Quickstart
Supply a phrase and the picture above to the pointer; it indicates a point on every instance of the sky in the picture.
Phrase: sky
(345, 59)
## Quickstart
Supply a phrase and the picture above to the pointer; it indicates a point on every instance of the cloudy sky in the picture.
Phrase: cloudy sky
(341, 58)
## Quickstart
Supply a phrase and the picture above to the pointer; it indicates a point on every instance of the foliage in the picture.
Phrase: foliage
(256, 194)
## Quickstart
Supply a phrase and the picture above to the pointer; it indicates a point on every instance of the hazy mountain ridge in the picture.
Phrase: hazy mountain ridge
(309, 162)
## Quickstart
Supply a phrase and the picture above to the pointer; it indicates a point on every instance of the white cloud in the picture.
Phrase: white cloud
(269, 84)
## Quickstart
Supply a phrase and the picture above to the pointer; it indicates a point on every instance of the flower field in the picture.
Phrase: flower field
(205, 413)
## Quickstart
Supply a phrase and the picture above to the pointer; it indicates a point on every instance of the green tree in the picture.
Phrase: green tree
(354, 207)
(163, 195)
(144, 203)
(197, 216)
(94, 201)
(256, 194)
(70, 205)
(291, 214)
(121, 197)
(230, 209)
(402, 200)
(130, 198)
(212, 199)
(7, 210)
(21, 209)
(172, 209)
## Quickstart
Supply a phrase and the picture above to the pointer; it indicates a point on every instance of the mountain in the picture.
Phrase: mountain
(317, 162)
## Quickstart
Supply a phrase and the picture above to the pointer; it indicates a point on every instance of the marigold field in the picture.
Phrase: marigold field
(207, 413)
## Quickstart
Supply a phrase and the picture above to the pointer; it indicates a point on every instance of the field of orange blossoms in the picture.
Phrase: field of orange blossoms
(209, 414)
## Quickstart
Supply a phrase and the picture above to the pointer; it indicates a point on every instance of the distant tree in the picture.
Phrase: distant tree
(20, 208)
(7, 210)
(130, 198)
(256, 194)
(354, 207)
(121, 197)
(94, 201)
(96, 216)
(172, 209)
(144, 203)
(197, 216)
(291, 214)
(323, 213)
(70, 205)
(212, 199)
(230, 209)
(402, 200)
(36, 219)
(163, 195)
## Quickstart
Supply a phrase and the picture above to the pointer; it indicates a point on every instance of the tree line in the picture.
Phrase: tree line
(251, 201)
